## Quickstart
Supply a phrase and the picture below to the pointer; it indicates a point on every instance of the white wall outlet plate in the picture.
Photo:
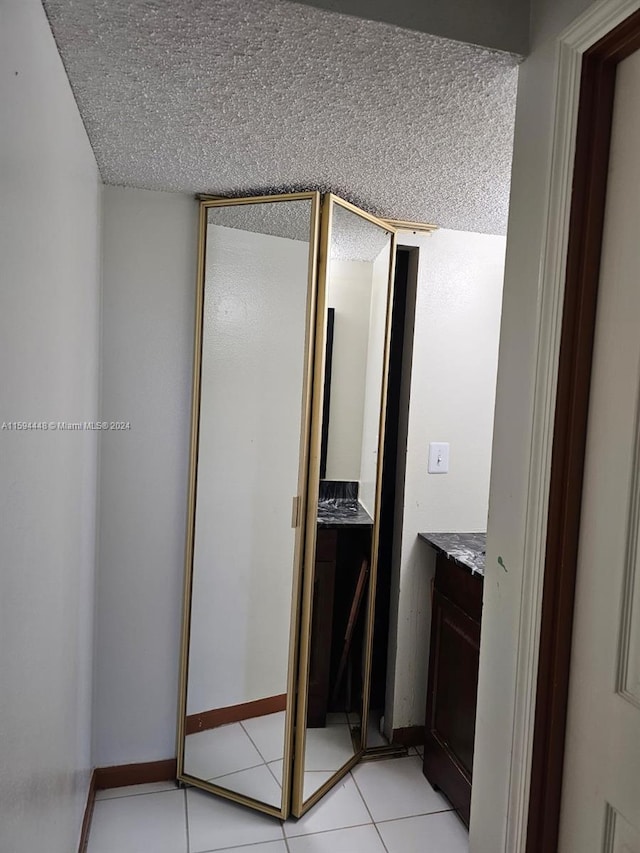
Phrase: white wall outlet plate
(438, 457)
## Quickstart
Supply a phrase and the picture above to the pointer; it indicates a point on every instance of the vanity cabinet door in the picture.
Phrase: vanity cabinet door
(451, 702)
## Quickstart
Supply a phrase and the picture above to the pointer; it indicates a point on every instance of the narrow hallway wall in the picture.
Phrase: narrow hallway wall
(149, 269)
(49, 344)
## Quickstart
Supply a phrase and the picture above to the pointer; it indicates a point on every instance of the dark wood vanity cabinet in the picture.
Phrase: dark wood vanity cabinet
(453, 682)
(322, 627)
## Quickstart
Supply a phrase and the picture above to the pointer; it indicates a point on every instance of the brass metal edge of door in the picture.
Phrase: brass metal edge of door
(328, 785)
(303, 476)
(233, 796)
(408, 225)
(193, 458)
(396, 224)
(222, 201)
(310, 526)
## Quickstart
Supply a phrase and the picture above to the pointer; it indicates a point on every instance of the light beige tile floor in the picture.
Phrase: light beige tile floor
(381, 807)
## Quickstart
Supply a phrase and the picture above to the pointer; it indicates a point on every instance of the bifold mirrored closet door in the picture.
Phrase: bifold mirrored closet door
(289, 389)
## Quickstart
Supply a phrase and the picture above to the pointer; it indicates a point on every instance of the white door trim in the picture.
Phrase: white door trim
(588, 29)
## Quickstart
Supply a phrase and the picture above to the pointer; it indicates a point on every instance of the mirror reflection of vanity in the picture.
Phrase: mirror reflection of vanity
(290, 371)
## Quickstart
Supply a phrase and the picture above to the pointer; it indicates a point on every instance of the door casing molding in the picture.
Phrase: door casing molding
(539, 710)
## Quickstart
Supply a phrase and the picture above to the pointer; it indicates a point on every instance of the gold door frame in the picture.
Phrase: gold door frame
(299, 805)
(314, 198)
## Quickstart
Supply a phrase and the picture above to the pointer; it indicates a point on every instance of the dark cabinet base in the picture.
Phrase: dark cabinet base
(453, 683)
(339, 556)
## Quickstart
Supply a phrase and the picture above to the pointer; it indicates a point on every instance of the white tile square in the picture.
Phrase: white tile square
(267, 733)
(435, 833)
(397, 788)
(150, 822)
(257, 782)
(216, 752)
(215, 824)
(340, 808)
(357, 839)
(329, 748)
(134, 790)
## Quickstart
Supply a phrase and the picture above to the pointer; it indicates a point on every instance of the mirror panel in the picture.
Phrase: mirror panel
(249, 461)
(343, 496)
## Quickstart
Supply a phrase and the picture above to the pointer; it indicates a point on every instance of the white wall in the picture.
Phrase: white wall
(372, 385)
(453, 378)
(49, 341)
(149, 271)
(513, 424)
(349, 293)
(255, 307)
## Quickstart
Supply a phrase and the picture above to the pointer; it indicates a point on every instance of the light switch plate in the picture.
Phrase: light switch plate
(438, 457)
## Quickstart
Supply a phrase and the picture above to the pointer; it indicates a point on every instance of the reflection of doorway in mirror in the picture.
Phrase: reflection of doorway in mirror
(357, 298)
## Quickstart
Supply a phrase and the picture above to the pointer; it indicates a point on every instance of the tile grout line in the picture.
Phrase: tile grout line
(412, 816)
(268, 766)
(325, 831)
(284, 837)
(265, 763)
(368, 811)
(264, 760)
(233, 772)
(239, 846)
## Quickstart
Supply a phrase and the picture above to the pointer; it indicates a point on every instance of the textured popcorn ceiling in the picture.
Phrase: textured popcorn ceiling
(353, 238)
(246, 96)
(290, 219)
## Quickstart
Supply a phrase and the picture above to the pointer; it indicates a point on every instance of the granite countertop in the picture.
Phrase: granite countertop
(342, 512)
(465, 549)
(338, 505)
